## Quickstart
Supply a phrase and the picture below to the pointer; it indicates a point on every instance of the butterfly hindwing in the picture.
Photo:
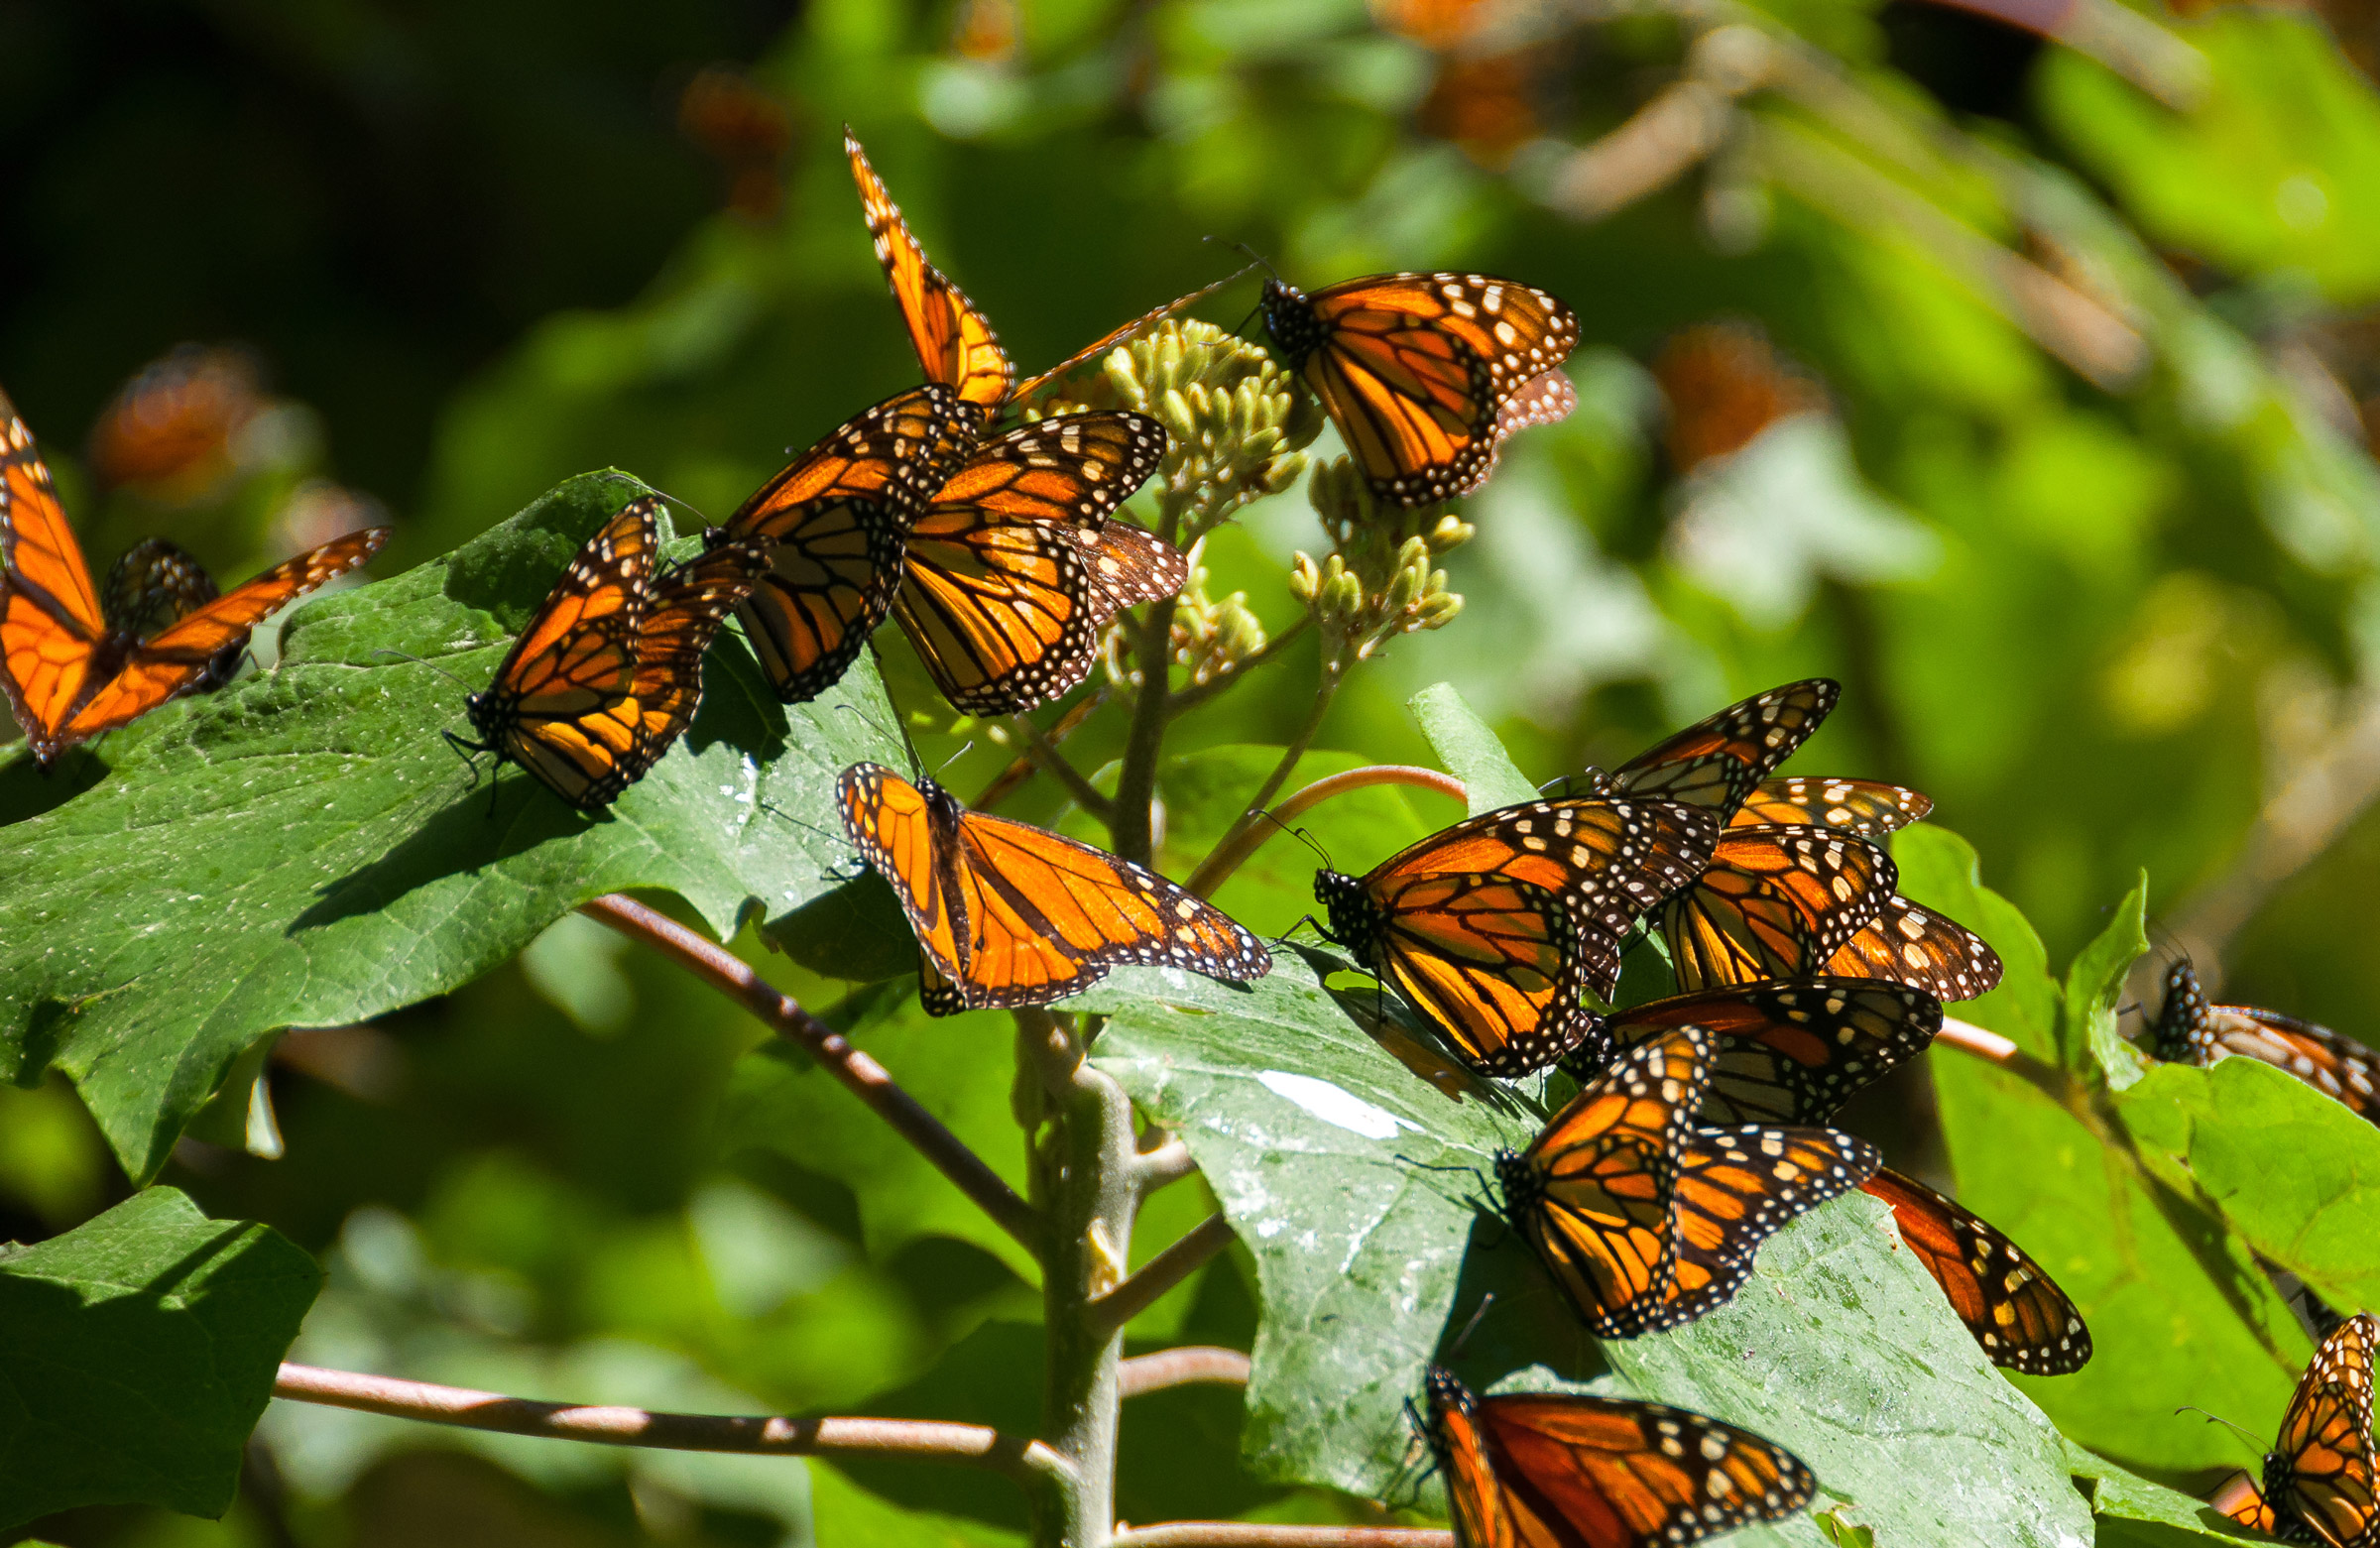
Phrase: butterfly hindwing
(1775, 903)
(1737, 1187)
(1720, 761)
(2189, 1030)
(52, 630)
(2011, 1305)
(1863, 807)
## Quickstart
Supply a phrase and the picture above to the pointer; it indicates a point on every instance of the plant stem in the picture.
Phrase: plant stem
(1045, 752)
(1968, 1037)
(1334, 672)
(1193, 1365)
(1233, 853)
(867, 1079)
(1252, 1534)
(1130, 833)
(1027, 765)
(1197, 1247)
(1271, 651)
(1041, 1470)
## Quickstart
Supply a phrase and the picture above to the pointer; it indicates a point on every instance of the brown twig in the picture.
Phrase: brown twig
(1162, 1272)
(1045, 752)
(1249, 836)
(1254, 1534)
(1272, 649)
(1025, 766)
(968, 1445)
(1193, 1365)
(867, 1079)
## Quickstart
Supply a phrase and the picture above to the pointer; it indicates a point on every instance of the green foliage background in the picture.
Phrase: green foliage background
(2094, 557)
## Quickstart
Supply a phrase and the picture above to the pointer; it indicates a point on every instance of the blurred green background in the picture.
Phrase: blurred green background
(2027, 385)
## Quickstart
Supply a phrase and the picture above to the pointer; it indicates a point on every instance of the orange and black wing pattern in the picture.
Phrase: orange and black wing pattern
(1868, 807)
(1594, 1193)
(831, 525)
(56, 646)
(1791, 1052)
(1560, 1471)
(1422, 372)
(201, 648)
(1737, 1187)
(1011, 914)
(1015, 565)
(1775, 903)
(2189, 1031)
(2015, 1310)
(1916, 946)
(1720, 761)
(1495, 928)
(563, 703)
(151, 584)
(954, 341)
(2317, 1479)
(680, 621)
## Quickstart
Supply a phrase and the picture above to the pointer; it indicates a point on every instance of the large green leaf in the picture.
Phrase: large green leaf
(1470, 751)
(136, 1352)
(302, 849)
(2134, 1511)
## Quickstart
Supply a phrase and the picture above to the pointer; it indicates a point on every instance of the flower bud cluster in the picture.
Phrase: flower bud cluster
(1378, 580)
(1235, 422)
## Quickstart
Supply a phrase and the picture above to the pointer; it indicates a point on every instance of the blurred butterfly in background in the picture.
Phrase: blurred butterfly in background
(608, 669)
(1787, 1052)
(954, 341)
(1011, 914)
(1584, 1472)
(2189, 1031)
(1775, 903)
(1493, 929)
(2011, 1305)
(2317, 1479)
(1425, 373)
(70, 668)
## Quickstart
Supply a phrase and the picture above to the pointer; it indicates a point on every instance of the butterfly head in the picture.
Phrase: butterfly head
(1353, 917)
(1518, 1183)
(2182, 1032)
(1289, 319)
(1445, 1391)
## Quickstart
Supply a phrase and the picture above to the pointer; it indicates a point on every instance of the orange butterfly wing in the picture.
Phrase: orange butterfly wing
(1737, 1187)
(1014, 568)
(561, 705)
(1011, 914)
(1791, 1052)
(2009, 1301)
(1592, 1194)
(1775, 903)
(202, 649)
(1863, 807)
(1496, 926)
(1911, 945)
(1719, 761)
(2318, 1484)
(54, 639)
(1563, 1471)
(832, 525)
(1420, 371)
(954, 341)
(680, 624)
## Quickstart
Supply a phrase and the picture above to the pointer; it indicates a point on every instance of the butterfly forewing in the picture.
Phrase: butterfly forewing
(1719, 761)
(2011, 1305)
(1862, 806)
(954, 341)
(1916, 946)
(832, 523)
(51, 623)
(1774, 903)
(1791, 1052)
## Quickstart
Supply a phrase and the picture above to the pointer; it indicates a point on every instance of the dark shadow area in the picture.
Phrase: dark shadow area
(27, 789)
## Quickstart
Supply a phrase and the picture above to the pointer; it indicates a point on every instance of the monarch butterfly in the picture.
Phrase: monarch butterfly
(1791, 1052)
(1863, 807)
(1494, 927)
(2009, 1301)
(1585, 1472)
(2189, 1031)
(1774, 903)
(954, 341)
(1912, 945)
(1737, 1187)
(2318, 1477)
(609, 671)
(71, 671)
(1595, 1193)
(1722, 761)
(1425, 373)
(1009, 914)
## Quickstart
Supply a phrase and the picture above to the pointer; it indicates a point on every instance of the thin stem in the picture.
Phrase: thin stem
(1197, 1247)
(1028, 1462)
(1046, 753)
(1968, 1037)
(867, 1079)
(1233, 853)
(1254, 1534)
(1270, 651)
(1131, 832)
(1162, 1164)
(1193, 1365)
(1025, 765)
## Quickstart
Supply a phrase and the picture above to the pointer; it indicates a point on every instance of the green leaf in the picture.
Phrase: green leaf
(843, 1512)
(2131, 1510)
(960, 1068)
(1320, 1146)
(136, 1352)
(302, 849)
(2094, 984)
(1938, 870)
(1470, 751)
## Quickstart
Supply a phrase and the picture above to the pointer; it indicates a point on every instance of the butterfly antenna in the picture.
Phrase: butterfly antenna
(686, 506)
(1253, 257)
(1456, 1350)
(432, 666)
(2217, 1418)
(1301, 835)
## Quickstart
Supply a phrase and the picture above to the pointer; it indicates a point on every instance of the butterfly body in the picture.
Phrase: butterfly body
(2318, 1485)
(72, 669)
(1575, 1470)
(2189, 1030)
(1009, 914)
(1495, 927)
(1425, 373)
